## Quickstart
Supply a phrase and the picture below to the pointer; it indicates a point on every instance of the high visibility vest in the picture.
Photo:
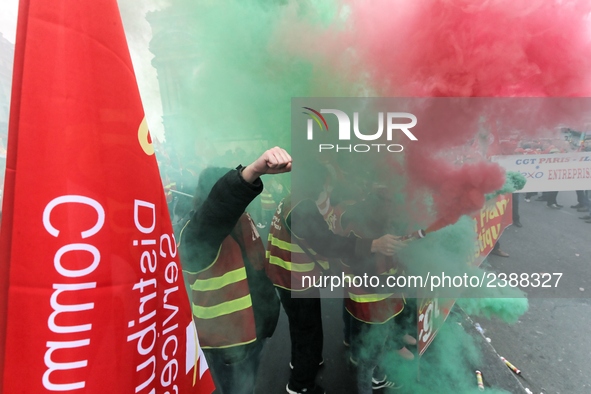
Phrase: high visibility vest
(267, 201)
(221, 302)
(372, 307)
(362, 303)
(287, 263)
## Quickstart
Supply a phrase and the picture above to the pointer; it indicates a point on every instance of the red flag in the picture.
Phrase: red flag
(90, 280)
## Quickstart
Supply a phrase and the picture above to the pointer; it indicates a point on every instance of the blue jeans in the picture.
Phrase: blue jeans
(232, 375)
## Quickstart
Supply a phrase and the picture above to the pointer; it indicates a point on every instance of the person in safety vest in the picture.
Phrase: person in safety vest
(272, 194)
(234, 304)
(300, 244)
(376, 312)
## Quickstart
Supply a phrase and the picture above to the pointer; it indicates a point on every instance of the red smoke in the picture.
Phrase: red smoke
(467, 48)
(461, 48)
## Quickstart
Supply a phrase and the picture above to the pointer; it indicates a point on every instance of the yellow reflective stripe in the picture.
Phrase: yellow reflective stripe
(324, 264)
(288, 246)
(227, 346)
(225, 308)
(220, 281)
(368, 297)
(288, 265)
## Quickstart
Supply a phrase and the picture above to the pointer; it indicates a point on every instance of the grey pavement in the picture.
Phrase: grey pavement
(550, 343)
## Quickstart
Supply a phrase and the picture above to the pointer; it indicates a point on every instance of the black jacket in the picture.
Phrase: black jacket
(215, 220)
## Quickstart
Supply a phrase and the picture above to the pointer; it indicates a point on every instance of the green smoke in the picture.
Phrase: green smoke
(508, 310)
(447, 367)
(234, 76)
(514, 181)
(236, 79)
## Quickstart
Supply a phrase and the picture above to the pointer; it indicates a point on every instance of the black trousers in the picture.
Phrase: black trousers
(515, 207)
(582, 198)
(551, 197)
(305, 330)
(235, 372)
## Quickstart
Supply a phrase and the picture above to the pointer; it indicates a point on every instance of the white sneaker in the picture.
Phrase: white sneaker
(314, 390)
(384, 383)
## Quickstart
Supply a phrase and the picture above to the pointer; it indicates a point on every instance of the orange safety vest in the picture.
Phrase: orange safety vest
(370, 307)
(287, 262)
(220, 297)
(363, 304)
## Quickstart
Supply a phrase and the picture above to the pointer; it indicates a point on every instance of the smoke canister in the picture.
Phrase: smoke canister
(479, 380)
(414, 235)
(511, 366)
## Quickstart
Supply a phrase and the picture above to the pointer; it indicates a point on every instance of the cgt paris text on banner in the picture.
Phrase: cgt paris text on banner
(551, 172)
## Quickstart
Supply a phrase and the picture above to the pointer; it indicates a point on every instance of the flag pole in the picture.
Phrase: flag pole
(6, 217)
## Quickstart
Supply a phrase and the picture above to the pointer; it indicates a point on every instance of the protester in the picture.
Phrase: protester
(234, 304)
(293, 254)
(376, 316)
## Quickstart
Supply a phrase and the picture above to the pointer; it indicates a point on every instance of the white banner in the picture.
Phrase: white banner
(551, 172)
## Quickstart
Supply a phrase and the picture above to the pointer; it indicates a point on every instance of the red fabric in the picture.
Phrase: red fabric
(95, 298)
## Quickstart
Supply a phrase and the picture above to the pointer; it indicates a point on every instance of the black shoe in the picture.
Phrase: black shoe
(588, 221)
(314, 390)
(517, 223)
(586, 217)
(577, 206)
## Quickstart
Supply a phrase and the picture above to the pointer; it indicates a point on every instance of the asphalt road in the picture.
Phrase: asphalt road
(550, 342)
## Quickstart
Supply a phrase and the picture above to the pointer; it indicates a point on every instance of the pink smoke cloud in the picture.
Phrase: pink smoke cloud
(459, 48)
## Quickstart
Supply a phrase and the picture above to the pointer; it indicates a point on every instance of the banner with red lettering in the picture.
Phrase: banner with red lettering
(91, 286)
(489, 224)
(550, 172)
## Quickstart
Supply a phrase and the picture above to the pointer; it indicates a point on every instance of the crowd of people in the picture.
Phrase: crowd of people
(236, 280)
(246, 247)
